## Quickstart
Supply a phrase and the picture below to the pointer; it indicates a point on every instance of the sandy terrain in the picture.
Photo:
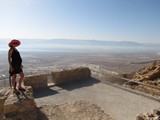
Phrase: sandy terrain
(78, 110)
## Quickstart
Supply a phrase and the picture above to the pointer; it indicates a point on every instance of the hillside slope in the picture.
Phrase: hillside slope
(147, 80)
(149, 74)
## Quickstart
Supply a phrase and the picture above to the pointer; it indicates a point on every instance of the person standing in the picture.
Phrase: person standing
(15, 65)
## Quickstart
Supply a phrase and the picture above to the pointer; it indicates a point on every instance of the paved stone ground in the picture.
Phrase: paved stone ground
(119, 103)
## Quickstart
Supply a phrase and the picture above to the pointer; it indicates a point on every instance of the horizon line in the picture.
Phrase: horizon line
(82, 39)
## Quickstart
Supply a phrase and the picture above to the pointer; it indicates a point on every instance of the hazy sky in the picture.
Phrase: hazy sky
(120, 20)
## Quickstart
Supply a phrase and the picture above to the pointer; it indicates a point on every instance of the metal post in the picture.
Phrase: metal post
(3, 77)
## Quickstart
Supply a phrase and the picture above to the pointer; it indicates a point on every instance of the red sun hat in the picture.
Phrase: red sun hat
(14, 41)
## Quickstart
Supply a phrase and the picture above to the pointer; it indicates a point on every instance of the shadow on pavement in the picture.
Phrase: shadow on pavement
(38, 93)
(79, 84)
(43, 92)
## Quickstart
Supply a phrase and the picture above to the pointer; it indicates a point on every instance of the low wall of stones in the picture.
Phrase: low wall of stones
(60, 77)
(36, 81)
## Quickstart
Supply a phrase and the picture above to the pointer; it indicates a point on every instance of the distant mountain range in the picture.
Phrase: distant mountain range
(85, 42)
(73, 42)
(79, 44)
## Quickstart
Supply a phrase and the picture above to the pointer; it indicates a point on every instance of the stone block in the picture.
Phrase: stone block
(60, 77)
(36, 81)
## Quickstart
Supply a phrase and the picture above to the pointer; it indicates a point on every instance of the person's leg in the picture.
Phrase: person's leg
(21, 80)
(14, 81)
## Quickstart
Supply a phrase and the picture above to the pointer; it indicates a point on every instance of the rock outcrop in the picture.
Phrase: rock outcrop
(79, 110)
(4, 92)
(147, 80)
(150, 74)
(20, 107)
(153, 115)
(65, 76)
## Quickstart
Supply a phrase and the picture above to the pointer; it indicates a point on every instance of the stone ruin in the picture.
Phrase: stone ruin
(36, 81)
(58, 77)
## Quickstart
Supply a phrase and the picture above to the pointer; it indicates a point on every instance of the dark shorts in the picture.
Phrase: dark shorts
(15, 71)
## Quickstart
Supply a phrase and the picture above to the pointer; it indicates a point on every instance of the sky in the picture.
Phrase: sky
(113, 20)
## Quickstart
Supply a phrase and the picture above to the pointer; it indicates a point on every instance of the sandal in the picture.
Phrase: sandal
(22, 89)
(16, 91)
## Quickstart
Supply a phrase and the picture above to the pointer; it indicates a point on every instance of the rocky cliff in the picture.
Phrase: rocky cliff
(149, 74)
(153, 115)
(147, 80)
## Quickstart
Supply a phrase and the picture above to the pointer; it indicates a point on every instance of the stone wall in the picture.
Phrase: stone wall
(65, 76)
(36, 81)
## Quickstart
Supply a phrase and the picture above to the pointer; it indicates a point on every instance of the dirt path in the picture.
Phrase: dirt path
(120, 104)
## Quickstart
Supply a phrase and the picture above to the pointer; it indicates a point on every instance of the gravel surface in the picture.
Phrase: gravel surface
(119, 103)
(78, 110)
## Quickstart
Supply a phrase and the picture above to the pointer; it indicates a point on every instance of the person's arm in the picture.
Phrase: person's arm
(10, 59)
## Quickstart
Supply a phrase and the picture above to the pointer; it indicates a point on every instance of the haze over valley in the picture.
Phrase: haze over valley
(43, 56)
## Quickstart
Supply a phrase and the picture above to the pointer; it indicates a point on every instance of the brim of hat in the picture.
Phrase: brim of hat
(14, 41)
